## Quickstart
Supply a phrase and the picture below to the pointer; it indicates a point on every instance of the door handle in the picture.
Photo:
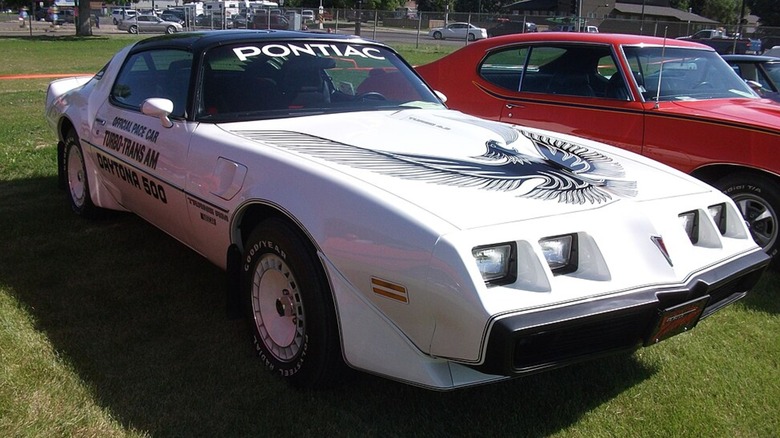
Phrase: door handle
(510, 107)
(98, 123)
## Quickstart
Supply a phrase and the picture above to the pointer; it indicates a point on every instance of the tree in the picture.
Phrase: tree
(478, 6)
(768, 11)
(431, 5)
(83, 26)
(723, 11)
(682, 5)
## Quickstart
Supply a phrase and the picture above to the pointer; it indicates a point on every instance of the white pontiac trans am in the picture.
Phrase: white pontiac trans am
(363, 223)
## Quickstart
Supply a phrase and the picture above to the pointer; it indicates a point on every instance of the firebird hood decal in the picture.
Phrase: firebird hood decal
(563, 171)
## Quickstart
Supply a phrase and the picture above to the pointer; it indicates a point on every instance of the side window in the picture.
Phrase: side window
(573, 70)
(505, 68)
(154, 73)
(544, 71)
(609, 74)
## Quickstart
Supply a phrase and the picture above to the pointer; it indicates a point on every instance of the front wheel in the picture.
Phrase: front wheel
(757, 198)
(472, 37)
(290, 307)
(170, 29)
(76, 177)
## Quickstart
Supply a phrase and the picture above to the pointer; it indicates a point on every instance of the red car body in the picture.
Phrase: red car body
(704, 120)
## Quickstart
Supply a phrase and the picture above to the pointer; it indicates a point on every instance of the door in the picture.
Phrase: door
(576, 89)
(142, 161)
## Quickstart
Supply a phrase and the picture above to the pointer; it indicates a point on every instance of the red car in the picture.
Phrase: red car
(703, 119)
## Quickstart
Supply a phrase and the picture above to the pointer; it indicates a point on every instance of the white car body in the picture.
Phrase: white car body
(395, 203)
(117, 15)
(458, 31)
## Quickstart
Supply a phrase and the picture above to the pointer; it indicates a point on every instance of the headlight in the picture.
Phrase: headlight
(690, 223)
(718, 214)
(560, 253)
(496, 263)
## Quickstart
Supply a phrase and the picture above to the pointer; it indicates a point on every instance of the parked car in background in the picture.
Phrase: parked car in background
(761, 72)
(212, 21)
(120, 14)
(149, 24)
(307, 15)
(172, 16)
(269, 21)
(359, 221)
(756, 47)
(506, 27)
(64, 15)
(150, 11)
(240, 21)
(774, 52)
(574, 28)
(720, 41)
(769, 36)
(460, 31)
(703, 119)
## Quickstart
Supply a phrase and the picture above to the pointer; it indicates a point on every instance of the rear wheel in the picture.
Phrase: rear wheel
(76, 177)
(758, 201)
(133, 29)
(290, 307)
(437, 36)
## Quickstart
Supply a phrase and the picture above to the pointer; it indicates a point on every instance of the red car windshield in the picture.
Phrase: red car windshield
(684, 74)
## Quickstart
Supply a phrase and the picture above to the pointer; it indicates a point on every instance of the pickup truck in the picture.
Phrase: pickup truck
(719, 41)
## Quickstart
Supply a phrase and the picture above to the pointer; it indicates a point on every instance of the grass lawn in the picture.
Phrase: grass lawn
(112, 328)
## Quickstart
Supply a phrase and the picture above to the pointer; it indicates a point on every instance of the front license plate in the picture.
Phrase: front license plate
(677, 319)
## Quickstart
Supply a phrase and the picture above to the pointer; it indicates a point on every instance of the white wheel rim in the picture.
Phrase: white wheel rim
(277, 308)
(76, 176)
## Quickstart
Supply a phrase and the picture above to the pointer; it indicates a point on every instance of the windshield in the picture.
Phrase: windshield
(684, 74)
(281, 79)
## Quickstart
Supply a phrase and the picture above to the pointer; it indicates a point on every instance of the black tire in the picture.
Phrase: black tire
(170, 29)
(290, 307)
(77, 183)
(471, 37)
(437, 36)
(133, 30)
(757, 198)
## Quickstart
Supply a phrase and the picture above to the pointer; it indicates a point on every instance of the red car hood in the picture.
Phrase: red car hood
(762, 113)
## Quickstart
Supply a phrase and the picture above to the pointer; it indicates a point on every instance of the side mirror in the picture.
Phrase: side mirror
(158, 107)
(441, 96)
(754, 85)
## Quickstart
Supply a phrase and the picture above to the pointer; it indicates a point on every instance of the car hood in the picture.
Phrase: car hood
(469, 171)
(747, 112)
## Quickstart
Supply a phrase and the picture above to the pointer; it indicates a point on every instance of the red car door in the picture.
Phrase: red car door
(575, 89)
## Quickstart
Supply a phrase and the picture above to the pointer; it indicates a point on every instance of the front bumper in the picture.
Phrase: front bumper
(535, 341)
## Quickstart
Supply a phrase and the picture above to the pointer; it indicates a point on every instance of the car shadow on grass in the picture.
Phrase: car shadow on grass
(142, 320)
